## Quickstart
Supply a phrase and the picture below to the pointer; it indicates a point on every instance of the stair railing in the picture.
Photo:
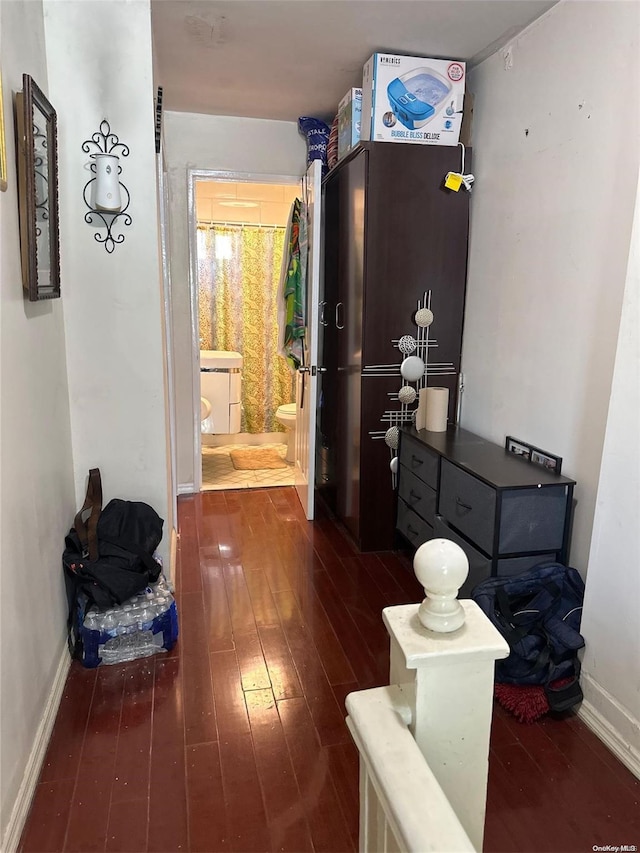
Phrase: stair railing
(424, 739)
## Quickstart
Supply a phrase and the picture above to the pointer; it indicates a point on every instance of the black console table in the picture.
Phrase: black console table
(506, 513)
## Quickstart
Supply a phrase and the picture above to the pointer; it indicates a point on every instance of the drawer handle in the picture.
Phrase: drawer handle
(463, 505)
(411, 531)
(414, 497)
(415, 460)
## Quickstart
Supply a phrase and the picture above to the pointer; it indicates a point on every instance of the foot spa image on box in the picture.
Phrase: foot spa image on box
(419, 95)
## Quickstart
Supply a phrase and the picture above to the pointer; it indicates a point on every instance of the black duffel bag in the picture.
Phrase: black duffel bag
(538, 612)
(108, 553)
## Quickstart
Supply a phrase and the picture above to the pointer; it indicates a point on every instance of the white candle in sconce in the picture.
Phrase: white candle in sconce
(107, 184)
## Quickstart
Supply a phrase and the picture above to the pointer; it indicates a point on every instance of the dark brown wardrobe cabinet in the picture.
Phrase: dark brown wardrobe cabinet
(391, 232)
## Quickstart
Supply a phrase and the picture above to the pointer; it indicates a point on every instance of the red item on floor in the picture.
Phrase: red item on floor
(527, 702)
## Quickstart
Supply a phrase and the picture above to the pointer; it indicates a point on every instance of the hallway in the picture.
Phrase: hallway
(236, 739)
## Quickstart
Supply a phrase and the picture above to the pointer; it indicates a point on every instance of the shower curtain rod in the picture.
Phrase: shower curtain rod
(209, 223)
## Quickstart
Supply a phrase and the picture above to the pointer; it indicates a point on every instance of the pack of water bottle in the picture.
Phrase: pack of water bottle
(144, 625)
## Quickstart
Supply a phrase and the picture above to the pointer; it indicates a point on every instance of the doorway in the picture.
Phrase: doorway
(239, 237)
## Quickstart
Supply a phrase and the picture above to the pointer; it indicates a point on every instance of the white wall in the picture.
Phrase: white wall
(36, 470)
(193, 141)
(556, 159)
(610, 621)
(556, 162)
(100, 66)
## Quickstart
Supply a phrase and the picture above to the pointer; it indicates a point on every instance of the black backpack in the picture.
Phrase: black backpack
(538, 612)
(108, 555)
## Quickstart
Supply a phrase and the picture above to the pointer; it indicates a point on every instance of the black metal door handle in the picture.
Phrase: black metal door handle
(463, 505)
(413, 497)
(412, 531)
(415, 460)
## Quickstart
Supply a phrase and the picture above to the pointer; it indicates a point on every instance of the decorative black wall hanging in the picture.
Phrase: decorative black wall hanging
(106, 145)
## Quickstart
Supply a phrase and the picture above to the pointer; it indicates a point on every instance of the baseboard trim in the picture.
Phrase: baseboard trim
(186, 488)
(27, 789)
(611, 736)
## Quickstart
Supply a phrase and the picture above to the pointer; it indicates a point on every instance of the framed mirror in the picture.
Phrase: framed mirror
(37, 156)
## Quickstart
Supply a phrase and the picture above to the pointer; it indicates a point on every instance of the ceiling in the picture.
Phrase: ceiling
(279, 59)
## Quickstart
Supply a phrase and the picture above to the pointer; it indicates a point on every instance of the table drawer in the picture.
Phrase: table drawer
(479, 565)
(417, 495)
(413, 528)
(419, 460)
(516, 565)
(532, 519)
(468, 504)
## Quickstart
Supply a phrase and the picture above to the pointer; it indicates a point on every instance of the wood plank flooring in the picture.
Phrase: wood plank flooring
(235, 741)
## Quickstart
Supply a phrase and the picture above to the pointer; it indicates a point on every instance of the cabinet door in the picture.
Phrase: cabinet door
(416, 242)
(348, 321)
(327, 444)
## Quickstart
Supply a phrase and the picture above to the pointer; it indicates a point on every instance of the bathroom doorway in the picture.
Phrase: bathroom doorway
(244, 386)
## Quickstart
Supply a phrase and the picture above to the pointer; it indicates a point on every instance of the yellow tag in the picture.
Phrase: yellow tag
(453, 181)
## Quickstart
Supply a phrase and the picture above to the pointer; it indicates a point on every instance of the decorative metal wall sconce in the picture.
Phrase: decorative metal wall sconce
(104, 194)
(413, 371)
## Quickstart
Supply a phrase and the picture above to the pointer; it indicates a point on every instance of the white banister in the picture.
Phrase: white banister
(402, 806)
(442, 676)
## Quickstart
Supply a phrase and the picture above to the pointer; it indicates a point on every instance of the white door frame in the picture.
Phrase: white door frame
(163, 208)
(194, 175)
(307, 379)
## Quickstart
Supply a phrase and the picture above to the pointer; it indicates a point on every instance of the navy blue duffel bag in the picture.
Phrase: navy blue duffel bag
(538, 612)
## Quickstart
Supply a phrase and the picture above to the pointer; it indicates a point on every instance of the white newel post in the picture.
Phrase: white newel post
(447, 672)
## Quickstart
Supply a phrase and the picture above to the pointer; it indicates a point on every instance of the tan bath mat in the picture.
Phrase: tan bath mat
(255, 458)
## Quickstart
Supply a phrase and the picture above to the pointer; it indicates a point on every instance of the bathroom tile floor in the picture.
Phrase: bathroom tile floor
(218, 471)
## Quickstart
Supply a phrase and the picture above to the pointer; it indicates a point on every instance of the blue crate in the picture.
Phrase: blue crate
(144, 625)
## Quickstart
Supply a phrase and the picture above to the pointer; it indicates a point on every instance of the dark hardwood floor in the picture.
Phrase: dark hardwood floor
(236, 739)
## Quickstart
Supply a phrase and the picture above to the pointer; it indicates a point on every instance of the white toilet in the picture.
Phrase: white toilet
(286, 416)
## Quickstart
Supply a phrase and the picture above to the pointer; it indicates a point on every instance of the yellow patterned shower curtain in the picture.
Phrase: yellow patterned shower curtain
(238, 281)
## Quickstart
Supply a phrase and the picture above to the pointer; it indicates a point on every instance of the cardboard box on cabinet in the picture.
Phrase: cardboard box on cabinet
(412, 99)
(349, 120)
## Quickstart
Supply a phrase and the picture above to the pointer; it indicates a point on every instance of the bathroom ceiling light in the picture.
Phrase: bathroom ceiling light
(238, 203)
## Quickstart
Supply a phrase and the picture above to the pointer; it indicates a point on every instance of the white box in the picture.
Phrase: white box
(349, 119)
(412, 99)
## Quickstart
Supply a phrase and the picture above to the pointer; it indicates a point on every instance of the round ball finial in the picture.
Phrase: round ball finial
(442, 567)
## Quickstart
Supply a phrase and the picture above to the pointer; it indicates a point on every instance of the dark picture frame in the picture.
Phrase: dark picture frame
(517, 447)
(533, 454)
(548, 460)
(37, 159)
